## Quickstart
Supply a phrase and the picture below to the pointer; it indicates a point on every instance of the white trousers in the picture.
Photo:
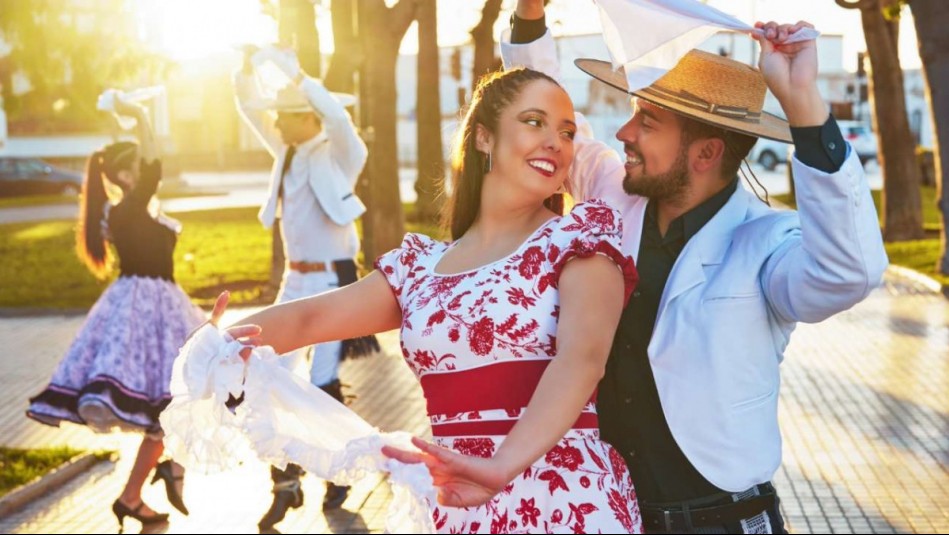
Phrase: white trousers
(324, 364)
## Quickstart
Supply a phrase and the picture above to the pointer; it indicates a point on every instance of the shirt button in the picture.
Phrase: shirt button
(631, 453)
(832, 145)
(636, 293)
(628, 401)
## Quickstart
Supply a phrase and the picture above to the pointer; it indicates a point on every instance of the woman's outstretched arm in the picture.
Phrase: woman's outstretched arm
(362, 308)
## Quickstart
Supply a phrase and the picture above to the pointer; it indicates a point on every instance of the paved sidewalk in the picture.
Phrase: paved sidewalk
(864, 412)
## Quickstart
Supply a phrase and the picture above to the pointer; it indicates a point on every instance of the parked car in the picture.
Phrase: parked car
(861, 138)
(31, 176)
(768, 153)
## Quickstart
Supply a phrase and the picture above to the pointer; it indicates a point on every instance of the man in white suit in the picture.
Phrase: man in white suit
(691, 388)
(318, 156)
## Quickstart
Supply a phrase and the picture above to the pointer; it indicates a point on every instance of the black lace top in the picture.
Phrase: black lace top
(144, 245)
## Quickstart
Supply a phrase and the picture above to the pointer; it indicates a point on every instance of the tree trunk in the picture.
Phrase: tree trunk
(428, 115)
(381, 30)
(296, 27)
(346, 54)
(483, 36)
(931, 18)
(902, 205)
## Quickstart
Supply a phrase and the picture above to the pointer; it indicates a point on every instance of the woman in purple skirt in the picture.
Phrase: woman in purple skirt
(116, 373)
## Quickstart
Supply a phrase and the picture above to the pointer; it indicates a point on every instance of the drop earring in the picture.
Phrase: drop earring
(487, 164)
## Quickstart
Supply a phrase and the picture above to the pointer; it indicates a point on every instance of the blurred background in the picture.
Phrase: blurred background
(57, 56)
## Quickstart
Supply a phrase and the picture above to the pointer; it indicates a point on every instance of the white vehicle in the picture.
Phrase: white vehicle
(768, 153)
(861, 138)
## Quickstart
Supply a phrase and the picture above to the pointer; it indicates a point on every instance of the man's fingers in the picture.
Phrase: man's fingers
(219, 307)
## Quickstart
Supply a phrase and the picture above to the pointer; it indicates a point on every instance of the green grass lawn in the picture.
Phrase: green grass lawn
(171, 191)
(19, 467)
(218, 250)
(921, 255)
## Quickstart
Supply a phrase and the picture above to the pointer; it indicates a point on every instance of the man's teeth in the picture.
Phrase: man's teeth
(633, 160)
(543, 166)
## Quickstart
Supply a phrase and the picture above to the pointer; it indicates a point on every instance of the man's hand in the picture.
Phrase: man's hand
(284, 59)
(247, 67)
(790, 70)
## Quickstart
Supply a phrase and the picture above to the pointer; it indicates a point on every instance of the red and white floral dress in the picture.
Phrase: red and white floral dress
(479, 342)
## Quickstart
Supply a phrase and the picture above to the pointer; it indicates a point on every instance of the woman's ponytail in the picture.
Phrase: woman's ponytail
(91, 244)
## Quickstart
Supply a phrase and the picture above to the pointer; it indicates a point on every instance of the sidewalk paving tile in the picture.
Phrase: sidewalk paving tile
(864, 413)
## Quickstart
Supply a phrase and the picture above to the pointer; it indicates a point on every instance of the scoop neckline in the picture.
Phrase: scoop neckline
(494, 262)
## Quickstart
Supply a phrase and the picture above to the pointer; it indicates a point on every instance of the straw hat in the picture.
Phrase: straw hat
(706, 87)
(291, 99)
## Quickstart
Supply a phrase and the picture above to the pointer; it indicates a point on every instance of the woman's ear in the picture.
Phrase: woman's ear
(484, 140)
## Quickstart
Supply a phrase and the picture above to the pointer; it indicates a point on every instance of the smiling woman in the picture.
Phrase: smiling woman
(189, 30)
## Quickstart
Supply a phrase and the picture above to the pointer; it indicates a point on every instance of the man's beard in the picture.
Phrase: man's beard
(662, 187)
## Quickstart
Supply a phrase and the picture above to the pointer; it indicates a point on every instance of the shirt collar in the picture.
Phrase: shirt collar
(311, 143)
(692, 221)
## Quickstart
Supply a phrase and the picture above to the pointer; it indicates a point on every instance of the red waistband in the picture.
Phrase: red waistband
(586, 420)
(505, 385)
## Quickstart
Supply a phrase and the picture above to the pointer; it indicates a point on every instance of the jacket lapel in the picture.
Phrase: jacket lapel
(707, 247)
(268, 212)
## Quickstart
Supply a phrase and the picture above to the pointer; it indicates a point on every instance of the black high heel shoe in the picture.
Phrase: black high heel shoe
(163, 471)
(121, 511)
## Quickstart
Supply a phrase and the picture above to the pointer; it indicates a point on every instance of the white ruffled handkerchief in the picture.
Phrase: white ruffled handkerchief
(282, 419)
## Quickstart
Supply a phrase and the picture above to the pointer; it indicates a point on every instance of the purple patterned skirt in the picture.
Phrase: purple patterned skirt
(117, 371)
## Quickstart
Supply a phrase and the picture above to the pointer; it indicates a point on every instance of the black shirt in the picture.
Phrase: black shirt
(631, 417)
(144, 246)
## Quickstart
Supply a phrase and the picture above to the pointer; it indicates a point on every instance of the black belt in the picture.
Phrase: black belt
(682, 518)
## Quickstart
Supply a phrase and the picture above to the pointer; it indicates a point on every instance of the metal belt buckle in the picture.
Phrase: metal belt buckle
(667, 520)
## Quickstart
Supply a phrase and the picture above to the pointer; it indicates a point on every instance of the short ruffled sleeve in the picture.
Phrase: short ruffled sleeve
(401, 265)
(591, 228)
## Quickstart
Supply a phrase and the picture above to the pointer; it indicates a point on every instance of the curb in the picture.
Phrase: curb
(918, 278)
(22, 496)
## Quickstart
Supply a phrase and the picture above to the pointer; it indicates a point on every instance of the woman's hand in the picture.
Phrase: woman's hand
(128, 108)
(249, 335)
(462, 480)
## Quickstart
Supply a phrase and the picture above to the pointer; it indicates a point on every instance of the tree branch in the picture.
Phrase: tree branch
(401, 16)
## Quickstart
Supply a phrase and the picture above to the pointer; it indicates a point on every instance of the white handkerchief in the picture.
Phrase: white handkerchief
(648, 37)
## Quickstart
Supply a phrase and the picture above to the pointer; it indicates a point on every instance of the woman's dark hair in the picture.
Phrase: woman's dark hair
(495, 92)
(91, 244)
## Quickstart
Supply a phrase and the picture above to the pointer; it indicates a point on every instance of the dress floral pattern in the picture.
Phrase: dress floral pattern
(478, 342)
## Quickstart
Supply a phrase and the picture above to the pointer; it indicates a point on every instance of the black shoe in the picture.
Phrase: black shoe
(121, 511)
(286, 495)
(163, 471)
(335, 496)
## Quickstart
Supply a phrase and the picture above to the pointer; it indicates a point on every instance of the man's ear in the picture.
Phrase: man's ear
(709, 154)
(484, 140)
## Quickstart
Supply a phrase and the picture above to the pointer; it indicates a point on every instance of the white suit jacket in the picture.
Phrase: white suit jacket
(333, 167)
(735, 294)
